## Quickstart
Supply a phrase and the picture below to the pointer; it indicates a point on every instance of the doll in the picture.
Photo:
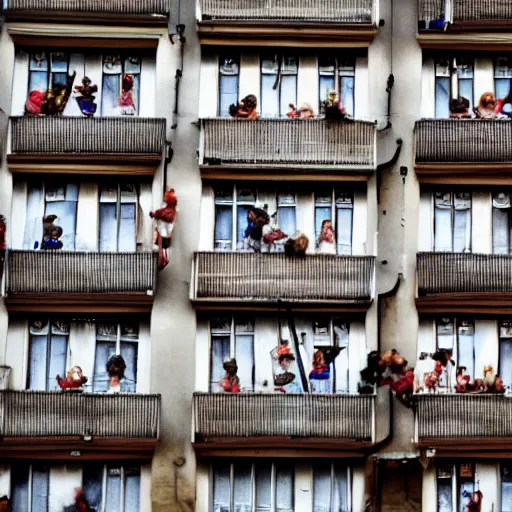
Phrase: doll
(296, 245)
(487, 107)
(246, 109)
(257, 219)
(230, 383)
(126, 104)
(326, 243)
(74, 379)
(85, 98)
(285, 382)
(53, 242)
(165, 218)
(115, 369)
(459, 108)
(333, 107)
(492, 383)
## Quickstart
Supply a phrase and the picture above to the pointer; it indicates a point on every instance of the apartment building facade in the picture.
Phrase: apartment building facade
(419, 204)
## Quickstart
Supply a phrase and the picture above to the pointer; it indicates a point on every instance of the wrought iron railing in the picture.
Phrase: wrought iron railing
(447, 272)
(289, 141)
(62, 414)
(123, 135)
(80, 272)
(309, 415)
(246, 276)
(136, 7)
(333, 11)
(466, 10)
(463, 140)
(463, 415)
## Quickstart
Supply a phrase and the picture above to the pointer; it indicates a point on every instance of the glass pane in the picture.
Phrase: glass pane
(19, 487)
(506, 361)
(445, 334)
(466, 91)
(243, 487)
(108, 227)
(326, 85)
(341, 494)
(344, 229)
(104, 350)
(37, 363)
(38, 81)
(242, 223)
(59, 62)
(39, 62)
(59, 80)
(66, 219)
(322, 488)
(112, 64)
(500, 231)
(221, 487)
(132, 65)
(136, 94)
(92, 480)
(40, 488)
(263, 486)
(465, 492)
(269, 96)
(129, 351)
(444, 489)
(462, 231)
(127, 239)
(321, 213)
(132, 490)
(347, 93)
(33, 225)
(288, 93)
(58, 357)
(467, 349)
(223, 227)
(286, 220)
(106, 332)
(502, 87)
(506, 487)
(228, 87)
(244, 354)
(220, 353)
(442, 98)
(246, 195)
(270, 65)
(284, 488)
(443, 230)
(228, 66)
(113, 501)
(110, 95)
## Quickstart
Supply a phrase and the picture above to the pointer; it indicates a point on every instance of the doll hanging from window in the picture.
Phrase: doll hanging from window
(165, 217)
(126, 103)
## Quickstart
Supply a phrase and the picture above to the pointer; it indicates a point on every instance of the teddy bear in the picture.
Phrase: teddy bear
(85, 98)
(75, 379)
(165, 217)
(246, 109)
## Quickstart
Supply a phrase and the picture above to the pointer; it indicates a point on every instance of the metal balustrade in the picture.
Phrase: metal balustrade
(80, 272)
(278, 142)
(453, 416)
(72, 414)
(466, 11)
(251, 276)
(80, 135)
(446, 272)
(331, 11)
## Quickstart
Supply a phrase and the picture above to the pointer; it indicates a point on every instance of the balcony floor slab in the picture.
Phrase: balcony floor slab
(466, 303)
(448, 173)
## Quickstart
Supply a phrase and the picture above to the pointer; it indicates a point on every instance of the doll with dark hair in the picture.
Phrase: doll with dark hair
(85, 98)
(459, 108)
(115, 369)
(246, 109)
(297, 245)
(230, 383)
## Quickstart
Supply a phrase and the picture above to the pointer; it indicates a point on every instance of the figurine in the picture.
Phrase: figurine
(296, 245)
(230, 383)
(333, 108)
(322, 359)
(504, 105)
(246, 109)
(285, 382)
(126, 104)
(5, 504)
(165, 218)
(257, 218)
(51, 233)
(3, 229)
(432, 379)
(85, 99)
(81, 504)
(115, 369)
(487, 107)
(459, 108)
(326, 243)
(74, 379)
(462, 380)
(492, 383)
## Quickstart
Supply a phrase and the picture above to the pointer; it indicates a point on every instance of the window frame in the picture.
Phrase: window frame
(49, 72)
(236, 60)
(508, 212)
(337, 77)
(333, 467)
(499, 78)
(455, 481)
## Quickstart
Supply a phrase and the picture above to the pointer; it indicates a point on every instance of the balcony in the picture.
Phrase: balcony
(465, 151)
(65, 281)
(33, 423)
(101, 145)
(243, 421)
(464, 282)
(273, 148)
(472, 24)
(451, 423)
(116, 12)
(239, 279)
(288, 22)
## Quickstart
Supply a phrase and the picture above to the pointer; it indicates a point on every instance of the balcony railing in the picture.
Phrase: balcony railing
(61, 272)
(446, 272)
(260, 277)
(242, 415)
(459, 416)
(132, 7)
(50, 414)
(282, 142)
(331, 11)
(463, 141)
(463, 11)
(82, 136)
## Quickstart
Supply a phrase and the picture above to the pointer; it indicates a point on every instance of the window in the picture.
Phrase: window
(456, 484)
(502, 76)
(112, 338)
(505, 369)
(278, 84)
(286, 204)
(501, 223)
(48, 349)
(121, 85)
(337, 206)
(331, 488)
(506, 487)
(47, 70)
(253, 487)
(452, 222)
(62, 201)
(118, 214)
(232, 337)
(110, 488)
(338, 73)
(229, 70)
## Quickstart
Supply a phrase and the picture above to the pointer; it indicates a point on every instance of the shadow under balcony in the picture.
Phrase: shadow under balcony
(464, 283)
(246, 280)
(454, 423)
(246, 423)
(76, 425)
(99, 145)
(87, 282)
(282, 148)
(287, 22)
(465, 151)
(113, 12)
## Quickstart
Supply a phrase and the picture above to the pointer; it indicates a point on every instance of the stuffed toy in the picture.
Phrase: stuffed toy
(326, 243)
(85, 98)
(459, 108)
(3, 229)
(296, 245)
(333, 108)
(74, 379)
(126, 103)
(165, 218)
(246, 109)
(504, 105)
(230, 383)
(487, 107)
(81, 504)
(115, 369)
(34, 103)
(5, 504)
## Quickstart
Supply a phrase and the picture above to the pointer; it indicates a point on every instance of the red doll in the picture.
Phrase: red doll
(165, 218)
(230, 383)
(126, 103)
(74, 379)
